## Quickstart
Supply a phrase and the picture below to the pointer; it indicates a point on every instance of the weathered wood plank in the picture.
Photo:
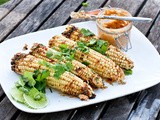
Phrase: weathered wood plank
(154, 33)
(28, 116)
(120, 108)
(7, 7)
(36, 18)
(130, 5)
(16, 16)
(7, 110)
(57, 115)
(149, 107)
(61, 14)
(151, 9)
(91, 112)
(93, 4)
(49, 116)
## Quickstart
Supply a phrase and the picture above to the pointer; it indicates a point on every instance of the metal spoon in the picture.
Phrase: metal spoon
(138, 19)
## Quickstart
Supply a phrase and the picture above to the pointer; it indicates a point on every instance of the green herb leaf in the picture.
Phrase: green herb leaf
(58, 56)
(49, 53)
(29, 76)
(98, 45)
(66, 52)
(3, 1)
(128, 72)
(69, 66)
(92, 42)
(82, 47)
(59, 70)
(20, 82)
(86, 32)
(40, 78)
(45, 74)
(85, 4)
(85, 63)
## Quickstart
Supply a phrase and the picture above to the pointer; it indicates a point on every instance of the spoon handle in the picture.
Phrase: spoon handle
(138, 19)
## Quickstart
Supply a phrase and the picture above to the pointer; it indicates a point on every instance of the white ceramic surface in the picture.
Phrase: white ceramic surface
(146, 72)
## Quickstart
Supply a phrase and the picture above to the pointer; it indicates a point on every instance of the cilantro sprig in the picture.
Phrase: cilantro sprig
(66, 52)
(85, 63)
(36, 79)
(58, 68)
(82, 47)
(128, 72)
(85, 4)
(98, 45)
(86, 32)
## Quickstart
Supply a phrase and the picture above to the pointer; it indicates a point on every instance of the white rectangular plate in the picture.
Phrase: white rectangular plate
(146, 72)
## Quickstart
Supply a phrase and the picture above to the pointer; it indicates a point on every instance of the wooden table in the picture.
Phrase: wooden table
(19, 17)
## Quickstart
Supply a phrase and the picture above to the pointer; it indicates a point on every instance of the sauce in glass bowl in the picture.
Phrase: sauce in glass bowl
(116, 32)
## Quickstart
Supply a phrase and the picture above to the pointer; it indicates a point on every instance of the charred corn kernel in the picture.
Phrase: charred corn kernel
(113, 53)
(67, 83)
(119, 57)
(99, 63)
(79, 69)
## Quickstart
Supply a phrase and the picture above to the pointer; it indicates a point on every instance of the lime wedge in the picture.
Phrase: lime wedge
(17, 95)
(35, 104)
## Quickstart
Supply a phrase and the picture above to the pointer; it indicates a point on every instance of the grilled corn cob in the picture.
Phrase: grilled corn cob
(79, 69)
(67, 83)
(113, 53)
(99, 63)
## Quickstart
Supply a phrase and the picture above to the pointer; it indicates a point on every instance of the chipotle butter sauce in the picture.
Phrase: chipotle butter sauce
(108, 29)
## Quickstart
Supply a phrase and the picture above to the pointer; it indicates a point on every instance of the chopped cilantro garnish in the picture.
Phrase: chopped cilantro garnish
(128, 72)
(63, 46)
(49, 53)
(98, 45)
(82, 47)
(29, 76)
(58, 56)
(40, 77)
(85, 4)
(86, 32)
(69, 66)
(85, 63)
(66, 52)
(92, 42)
(59, 70)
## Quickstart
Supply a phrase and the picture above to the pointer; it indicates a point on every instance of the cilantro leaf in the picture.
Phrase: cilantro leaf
(59, 70)
(58, 56)
(92, 42)
(40, 78)
(128, 72)
(86, 32)
(82, 47)
(98, 45)
(85, 63)
(66, 52)
(49, 53)
(29, 76)
(69, 66)
(85, 4)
